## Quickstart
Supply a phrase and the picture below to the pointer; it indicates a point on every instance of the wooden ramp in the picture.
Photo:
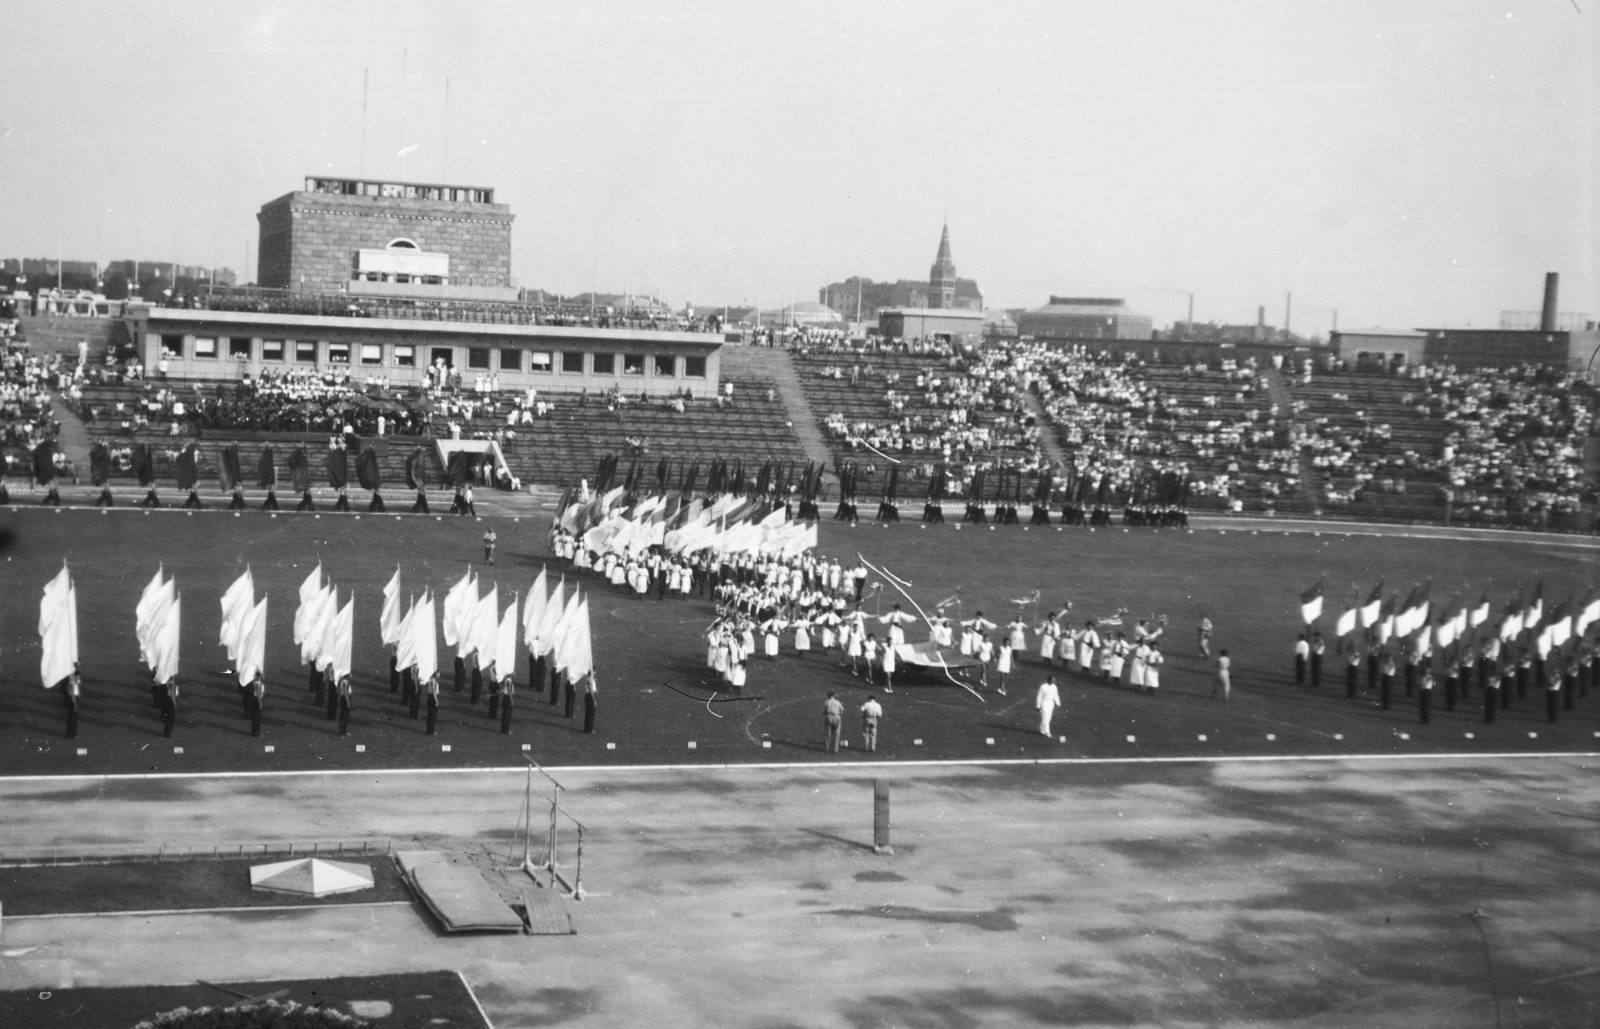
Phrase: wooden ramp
(455, 891)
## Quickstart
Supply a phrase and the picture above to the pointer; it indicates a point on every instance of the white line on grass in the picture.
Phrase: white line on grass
(755, 766)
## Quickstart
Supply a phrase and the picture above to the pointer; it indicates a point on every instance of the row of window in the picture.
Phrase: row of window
(407, 190)
(510, 359)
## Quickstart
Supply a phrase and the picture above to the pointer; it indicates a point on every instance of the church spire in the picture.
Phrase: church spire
(942, 276)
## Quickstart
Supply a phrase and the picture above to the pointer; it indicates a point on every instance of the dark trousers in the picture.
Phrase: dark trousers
(555, 686)
(1464, 677)
(416, 702)
(1522, 681)
(157, 694)
(244, 699)
(1552, 705)
(255, 715)
(588, 712)
(1411, 680)
(433, 713)
(1491, 703)
(1385, 691)
(169, 716)
(394, 673)
(1316, 670)
(408, 685)
(1372, 673)
(477, 683)
(1568, 695)
(333, 702)
(1352, 677)
(319, 686)
(536, 672)
(344, 716)
(505, 714)
(494, 699)
(1299, 670)
(1450, 693)
(72, 719)
(461, 673)
(1424, 704)
(314, 682)
(572, 697)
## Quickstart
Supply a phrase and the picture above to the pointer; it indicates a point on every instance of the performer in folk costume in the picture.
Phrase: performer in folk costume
(1049, 633)
(802, 636)
(1152, 668)
(1139, 664)
(1088, 643)
(1017, 634)
(257, 700)
(1003, 662)
(1114, 657)
(984, 654)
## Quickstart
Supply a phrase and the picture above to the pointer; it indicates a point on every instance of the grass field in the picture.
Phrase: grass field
(1248, 582)
(186, 885)
(417, 1000)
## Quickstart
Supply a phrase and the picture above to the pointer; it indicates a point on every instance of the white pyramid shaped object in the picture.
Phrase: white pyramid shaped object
(311, 876)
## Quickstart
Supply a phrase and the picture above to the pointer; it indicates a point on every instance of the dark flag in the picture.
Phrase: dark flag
(299, 470)
(414, 472)
(44, 464)
(266, 471)
(367, 469)
(663, 469)
(228, 476)
(143, 467)
(188, 467)
(99, 464)
(461, 467)
(338, 467)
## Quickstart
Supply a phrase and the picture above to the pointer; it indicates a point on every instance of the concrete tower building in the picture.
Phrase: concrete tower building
(942, 276)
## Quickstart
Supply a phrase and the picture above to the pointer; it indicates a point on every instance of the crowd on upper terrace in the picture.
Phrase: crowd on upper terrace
(1495, 443)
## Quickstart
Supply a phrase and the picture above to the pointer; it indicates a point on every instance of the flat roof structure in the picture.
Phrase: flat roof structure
(202, 344)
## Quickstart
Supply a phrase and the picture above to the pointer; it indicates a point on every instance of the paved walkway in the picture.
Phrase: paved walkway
(1454, 894)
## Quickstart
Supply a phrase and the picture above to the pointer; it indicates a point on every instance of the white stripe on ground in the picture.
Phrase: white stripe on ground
(753, 766)
(268, 908)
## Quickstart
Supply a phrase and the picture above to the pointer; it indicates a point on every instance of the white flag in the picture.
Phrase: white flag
(461, 595)
(342, 642)
(316, 615)
(577, 653)
(328, 632)
(389, 617)
(253, 644)
(425, 640)
(485, 626)
(148, 616)
(164, 650)
(305, 614)
(505, 644)
(558, 635)
(240, 598)
(1346, 623)
(553, 610)
(533, 608)
(58, 629)
(405, 648)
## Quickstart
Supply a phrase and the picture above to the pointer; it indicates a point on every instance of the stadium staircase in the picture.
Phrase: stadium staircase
(1049, 442)
(778, 366)
(73, 439)
(1279, 391)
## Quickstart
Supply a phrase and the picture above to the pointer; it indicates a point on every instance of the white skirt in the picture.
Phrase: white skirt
(1003, 665)
(1116, 667)
(1136, 677)
(1047, 648)
(802, 639)
(827, 638)
(1152, 678)
(1085, 655)
(772, 644)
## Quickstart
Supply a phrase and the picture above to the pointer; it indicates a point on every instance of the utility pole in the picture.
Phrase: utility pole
(361, 160)
(1288, 306)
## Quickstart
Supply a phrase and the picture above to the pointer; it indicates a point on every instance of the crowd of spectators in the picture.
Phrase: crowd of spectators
(26, 382)
(1502, 444)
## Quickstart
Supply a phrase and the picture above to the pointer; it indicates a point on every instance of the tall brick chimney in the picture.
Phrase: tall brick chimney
(1552, 293)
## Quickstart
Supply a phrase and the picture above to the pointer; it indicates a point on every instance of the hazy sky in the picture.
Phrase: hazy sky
(1406, 163)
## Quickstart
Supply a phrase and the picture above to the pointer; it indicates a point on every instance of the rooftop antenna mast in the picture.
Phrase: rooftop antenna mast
(361, 161)
(444, 154)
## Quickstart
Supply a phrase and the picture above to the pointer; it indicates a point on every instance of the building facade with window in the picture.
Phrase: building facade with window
(387, 238)
(228, 345)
